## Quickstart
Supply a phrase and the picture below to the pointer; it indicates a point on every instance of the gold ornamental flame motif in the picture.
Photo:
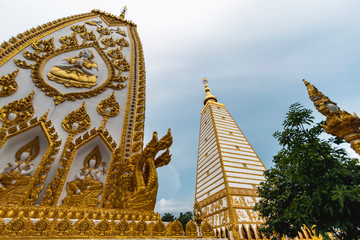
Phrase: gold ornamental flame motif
(17, 111)
(77, 121)
(8, 84)
(109, 106)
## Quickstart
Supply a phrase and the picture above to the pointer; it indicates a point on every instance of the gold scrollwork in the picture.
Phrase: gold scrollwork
(77, 121)
(8, 84)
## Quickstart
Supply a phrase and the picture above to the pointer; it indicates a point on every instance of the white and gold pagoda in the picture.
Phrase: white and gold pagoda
(228, 174)
(72, 110)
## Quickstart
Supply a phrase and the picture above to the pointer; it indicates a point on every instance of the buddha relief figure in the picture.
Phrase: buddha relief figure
(84, 191)
(79, 71)
(14, 179)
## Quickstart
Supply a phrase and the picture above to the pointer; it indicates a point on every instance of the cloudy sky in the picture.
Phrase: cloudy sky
(254, 54)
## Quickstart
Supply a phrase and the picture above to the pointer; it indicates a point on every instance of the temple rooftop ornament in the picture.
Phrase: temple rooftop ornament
(123, 13)
(338, 122)
(209, 96)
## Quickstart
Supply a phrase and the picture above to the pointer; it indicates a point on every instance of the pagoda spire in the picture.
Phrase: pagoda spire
(209, 96)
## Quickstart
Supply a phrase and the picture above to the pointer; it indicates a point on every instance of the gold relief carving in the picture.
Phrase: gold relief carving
(198, 215)
(84, 191)
(18, 226)
(103, 31)
(238, 201)
(62, 227)
(339, 122)
(41, 227)
(122, 228)
(108, 42)
(79, 71)
(103, 228)
(75, 122)
(16, 112)
(84, 227)
(136, 187)
(176, 228)
(207, 230)
(15, 178)
(8, 84)
(108, 107)
(141, 228)
(191, 229)
(19, 183)
(158, 229)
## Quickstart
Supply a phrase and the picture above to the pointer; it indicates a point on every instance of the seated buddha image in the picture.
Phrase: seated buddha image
(85, 189)
(14, 179)
(79, 71)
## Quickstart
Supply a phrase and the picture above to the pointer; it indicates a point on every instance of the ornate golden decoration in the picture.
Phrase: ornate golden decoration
(84, 227)
(136, 187)
(78, 71)
(103, 228)
(14, 179)
(141, 229)
(206, 229)
(191, 229)
(75, 122)
(176, 228)
(198, 216)
(158, 229)
(18, 226)
(29, 182)
(84, 191)
(108, 107)
(338, 122)
(41, 227)
(8, 84)
(122, 228)
(16, 112)
(62, 227)
(108, 42)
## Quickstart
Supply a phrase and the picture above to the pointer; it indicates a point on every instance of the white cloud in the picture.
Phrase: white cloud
(173, 206)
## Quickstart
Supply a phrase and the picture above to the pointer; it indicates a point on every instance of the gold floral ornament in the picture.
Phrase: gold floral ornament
(8, 84)
(338, 122)
(17, 112)
(108, 107)
(136, 187)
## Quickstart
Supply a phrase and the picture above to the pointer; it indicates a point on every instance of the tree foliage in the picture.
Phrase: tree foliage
(184, 218)
(313, 182)
(168, 217)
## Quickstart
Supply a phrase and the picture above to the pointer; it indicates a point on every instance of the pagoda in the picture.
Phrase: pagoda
(228, 174)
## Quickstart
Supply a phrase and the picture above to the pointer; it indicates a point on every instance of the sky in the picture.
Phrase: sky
(254, 54)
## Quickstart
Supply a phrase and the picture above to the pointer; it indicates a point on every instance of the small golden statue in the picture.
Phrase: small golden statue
(79, 71)
(15, 178)
(84, 191)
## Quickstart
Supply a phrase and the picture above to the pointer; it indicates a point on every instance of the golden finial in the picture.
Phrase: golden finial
(122, 15)
(209, 96)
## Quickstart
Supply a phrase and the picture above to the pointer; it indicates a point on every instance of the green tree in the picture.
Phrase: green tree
(168, 217)
(185, 218)
(313, 182)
